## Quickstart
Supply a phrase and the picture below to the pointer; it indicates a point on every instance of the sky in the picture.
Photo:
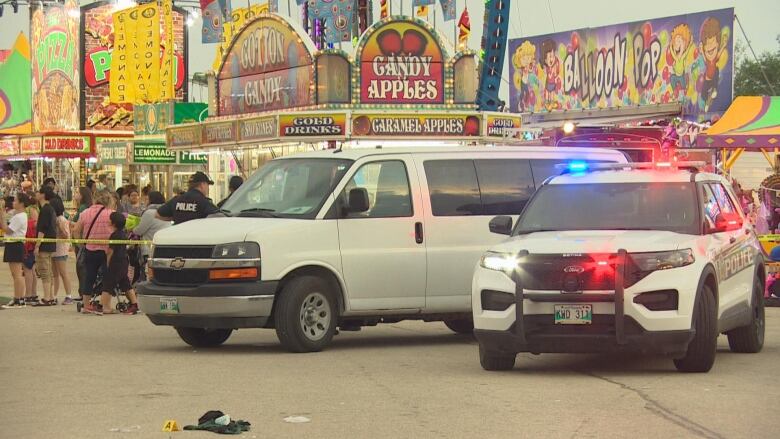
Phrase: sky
(528, 18)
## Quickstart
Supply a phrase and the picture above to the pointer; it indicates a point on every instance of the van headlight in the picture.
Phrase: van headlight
(237, 250)
(506, 262)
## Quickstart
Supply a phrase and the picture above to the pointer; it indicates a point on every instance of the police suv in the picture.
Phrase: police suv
(644, 258)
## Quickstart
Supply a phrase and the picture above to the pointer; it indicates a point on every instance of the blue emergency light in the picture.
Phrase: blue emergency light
(578, 166)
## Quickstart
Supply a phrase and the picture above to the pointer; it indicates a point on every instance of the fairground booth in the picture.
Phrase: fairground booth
(274, 94)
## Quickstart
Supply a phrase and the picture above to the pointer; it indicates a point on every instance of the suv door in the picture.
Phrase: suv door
(382, 249)
(732, 251)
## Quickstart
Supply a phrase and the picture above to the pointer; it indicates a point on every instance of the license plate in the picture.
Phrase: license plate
(573, 314)
(169, 305)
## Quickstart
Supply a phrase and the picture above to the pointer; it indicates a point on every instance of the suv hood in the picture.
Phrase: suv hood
(219, 230)
(596, 241)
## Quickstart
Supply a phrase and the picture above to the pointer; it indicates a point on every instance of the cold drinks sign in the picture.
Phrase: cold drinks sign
(401, 62)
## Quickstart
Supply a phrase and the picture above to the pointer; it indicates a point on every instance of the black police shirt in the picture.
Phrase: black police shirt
(189, 206)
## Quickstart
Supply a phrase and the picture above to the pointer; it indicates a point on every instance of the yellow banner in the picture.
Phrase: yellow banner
(147, 82)
(121, 89)
(230, 28)
(167, 69)
(133, 50)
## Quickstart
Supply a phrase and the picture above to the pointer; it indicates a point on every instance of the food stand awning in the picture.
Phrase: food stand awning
(751, 122)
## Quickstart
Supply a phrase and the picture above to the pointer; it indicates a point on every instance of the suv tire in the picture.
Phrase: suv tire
(496, 361)
(306, 314)
(750, 339)
(701, 350)
(204, 338)
(460, 326)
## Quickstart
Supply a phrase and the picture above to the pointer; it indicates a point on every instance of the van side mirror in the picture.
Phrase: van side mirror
(727, 222)
(358, 200)
(501, 225)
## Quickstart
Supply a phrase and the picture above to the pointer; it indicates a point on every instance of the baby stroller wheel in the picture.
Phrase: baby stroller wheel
(121, 307)
(79, 305)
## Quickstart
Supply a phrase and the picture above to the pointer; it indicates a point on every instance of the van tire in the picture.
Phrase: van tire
(460, 326)
(494, 361)
(204, 338)
(750, 339)
(701, 350)
(306, 314)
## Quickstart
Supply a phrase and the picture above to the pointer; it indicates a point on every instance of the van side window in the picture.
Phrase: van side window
(505, 185)
(453, 187)
(388, 189)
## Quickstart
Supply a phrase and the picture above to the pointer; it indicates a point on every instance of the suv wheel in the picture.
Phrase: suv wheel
(750, 339)
(496, 361)
(306, 315)
(460, 326)
(701, 350)
(204, 338)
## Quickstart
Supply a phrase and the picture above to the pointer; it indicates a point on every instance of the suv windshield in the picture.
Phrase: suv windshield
(612, 206)
(288, 188)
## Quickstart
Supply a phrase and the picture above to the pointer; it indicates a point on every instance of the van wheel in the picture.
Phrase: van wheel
(460, 326)
(496, 361)
(750, 339)
(306, 315)
(204, 338)
(701, 350)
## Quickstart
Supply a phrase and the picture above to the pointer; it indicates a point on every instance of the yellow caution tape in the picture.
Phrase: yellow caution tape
(78, 241)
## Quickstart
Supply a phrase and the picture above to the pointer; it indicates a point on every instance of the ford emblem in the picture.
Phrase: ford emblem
(570, 269)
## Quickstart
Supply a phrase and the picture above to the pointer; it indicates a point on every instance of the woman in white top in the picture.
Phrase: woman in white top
(60, 258)
(14, 251)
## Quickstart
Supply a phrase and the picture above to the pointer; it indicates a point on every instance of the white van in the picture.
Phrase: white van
(343, 239)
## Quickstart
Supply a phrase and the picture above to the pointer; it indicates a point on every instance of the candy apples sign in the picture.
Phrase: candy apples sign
(401, 63)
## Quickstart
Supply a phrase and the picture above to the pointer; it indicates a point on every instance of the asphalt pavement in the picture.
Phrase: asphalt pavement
(66, 375)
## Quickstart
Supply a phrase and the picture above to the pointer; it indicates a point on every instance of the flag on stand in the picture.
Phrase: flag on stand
(273, 6)
(416, 3)
(464, 27)
(384, 9)
(422, 11)
(338, 16)
(448, 8)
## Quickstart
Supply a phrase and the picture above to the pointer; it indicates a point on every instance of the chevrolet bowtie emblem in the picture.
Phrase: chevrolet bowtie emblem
(178, 263)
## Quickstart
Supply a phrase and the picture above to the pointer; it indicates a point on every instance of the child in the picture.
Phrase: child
(116, 274)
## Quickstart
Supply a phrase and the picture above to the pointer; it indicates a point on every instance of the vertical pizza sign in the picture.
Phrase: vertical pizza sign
(99, 42)
(401, 62)
(54, 30)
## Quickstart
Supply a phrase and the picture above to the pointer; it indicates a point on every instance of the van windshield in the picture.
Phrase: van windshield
(287, 188)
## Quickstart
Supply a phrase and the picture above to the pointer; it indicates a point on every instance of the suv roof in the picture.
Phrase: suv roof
(358, 153)
(636, 176)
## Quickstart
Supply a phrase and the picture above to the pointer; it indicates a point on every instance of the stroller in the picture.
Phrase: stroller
(134, 273)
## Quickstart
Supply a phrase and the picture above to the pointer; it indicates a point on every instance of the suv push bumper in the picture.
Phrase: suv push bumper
(227, 305)
(536, 333)
(643, 342)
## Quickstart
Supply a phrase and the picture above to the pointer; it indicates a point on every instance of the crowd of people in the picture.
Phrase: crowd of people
(114, 223)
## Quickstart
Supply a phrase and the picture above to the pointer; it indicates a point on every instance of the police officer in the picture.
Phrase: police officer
(193, 204)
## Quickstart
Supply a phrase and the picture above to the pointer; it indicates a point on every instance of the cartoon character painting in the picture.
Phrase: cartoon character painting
(677, 57)
(552, 70)
(525, 78)
(713, 44)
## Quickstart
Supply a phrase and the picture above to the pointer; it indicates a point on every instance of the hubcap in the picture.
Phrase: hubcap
(315, 316)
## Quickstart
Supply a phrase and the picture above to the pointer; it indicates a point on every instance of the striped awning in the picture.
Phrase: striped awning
(751, 122)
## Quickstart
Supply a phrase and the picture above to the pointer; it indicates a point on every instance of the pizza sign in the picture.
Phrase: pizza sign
(401, 62)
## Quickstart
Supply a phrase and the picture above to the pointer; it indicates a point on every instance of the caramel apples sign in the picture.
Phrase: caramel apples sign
(401, 62)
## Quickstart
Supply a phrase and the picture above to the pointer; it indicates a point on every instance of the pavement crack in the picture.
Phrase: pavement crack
(659, 410)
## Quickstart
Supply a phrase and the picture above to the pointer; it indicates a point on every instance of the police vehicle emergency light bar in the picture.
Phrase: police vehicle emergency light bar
(577, 167)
